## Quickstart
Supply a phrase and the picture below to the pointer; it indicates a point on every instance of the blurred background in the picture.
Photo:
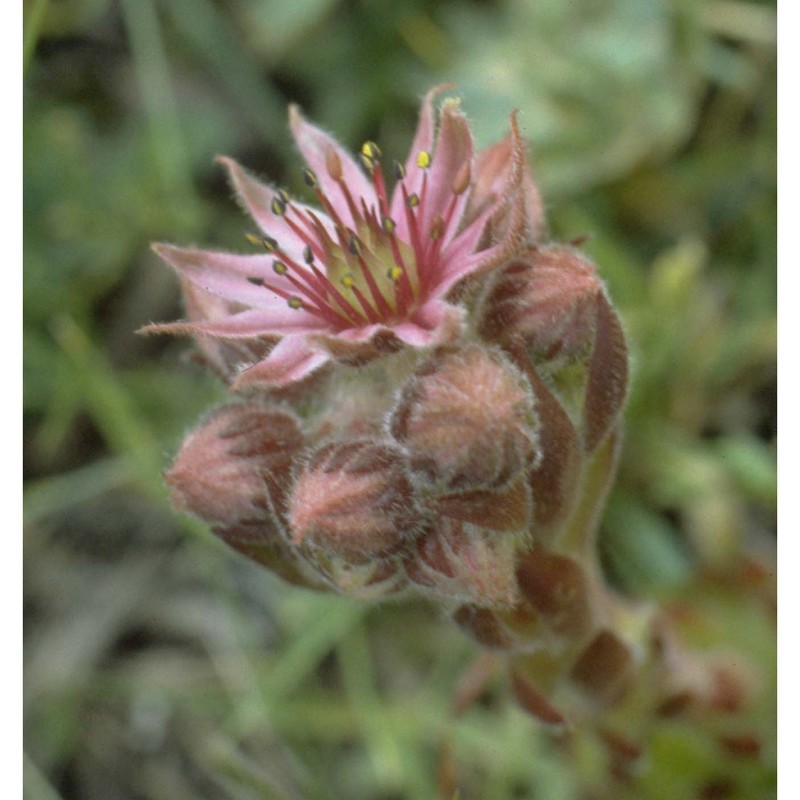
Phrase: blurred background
(160, 665)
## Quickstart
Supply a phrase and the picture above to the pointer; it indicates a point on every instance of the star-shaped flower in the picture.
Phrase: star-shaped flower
(369, 271)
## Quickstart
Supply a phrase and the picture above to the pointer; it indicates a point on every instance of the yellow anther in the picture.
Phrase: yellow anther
(253, 239)
(388, 224)
(295, 303)
(348, 281)
(278, 206)
(413, 200)
(367, 162)
(399, 170)
(394, 273)
(371, 151)
(280, 268)
(423, 159)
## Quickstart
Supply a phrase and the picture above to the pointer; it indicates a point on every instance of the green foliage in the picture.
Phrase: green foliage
(160, 665)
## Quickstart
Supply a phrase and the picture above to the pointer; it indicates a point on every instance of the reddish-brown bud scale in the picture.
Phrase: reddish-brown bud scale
(605, 667)
(484, 625)
(557, 587)
(535, 701)
(354, 500)
(607, 383)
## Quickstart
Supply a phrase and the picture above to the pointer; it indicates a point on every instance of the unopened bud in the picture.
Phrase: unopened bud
(468, 419)
(545, 298)
(228, 467)
(354, 500)
(459, 561)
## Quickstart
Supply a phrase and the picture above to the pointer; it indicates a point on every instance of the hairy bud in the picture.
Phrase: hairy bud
(354, 500)
(235, 463)
(468, 419)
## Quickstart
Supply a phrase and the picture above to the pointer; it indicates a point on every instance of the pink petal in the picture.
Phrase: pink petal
(481, 262)
(289, 361)
(226, 274)
(426, 129)
(434, 323)
(247, 324)
(257, 199)
(454, 148)
(315, 145)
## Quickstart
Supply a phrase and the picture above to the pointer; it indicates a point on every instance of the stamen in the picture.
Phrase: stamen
(399, 170)
(395, 273)
(367, 162)
(295, 302)
(348, 280)
(278, 205)
(369, 311)
(423, 159)
(349, 199)
(310, 177)
(313, 297)
(437, 228)
(308, 254)
(279, 267)
(412, 200)
(354, 245)
(267, 242)
(255, 280)
(388, 224)
(371, 151)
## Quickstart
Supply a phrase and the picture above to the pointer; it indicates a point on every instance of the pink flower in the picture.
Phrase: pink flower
(371, 271)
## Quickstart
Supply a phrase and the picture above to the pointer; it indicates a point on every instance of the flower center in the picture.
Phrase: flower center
(368, 274)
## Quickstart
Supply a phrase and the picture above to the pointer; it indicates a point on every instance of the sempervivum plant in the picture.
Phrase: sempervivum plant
(429, 400)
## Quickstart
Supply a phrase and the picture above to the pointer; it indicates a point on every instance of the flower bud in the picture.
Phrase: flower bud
(468, 419)
(551, 303)
(354, 500)
(236, 464)
(233, 471)
(545, 298)
(459, 561)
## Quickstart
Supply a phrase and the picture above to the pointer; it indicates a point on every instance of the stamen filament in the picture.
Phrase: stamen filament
(380, 301)
(369, 311)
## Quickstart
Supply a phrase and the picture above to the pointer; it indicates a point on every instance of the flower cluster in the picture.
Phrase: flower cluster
(430, 398)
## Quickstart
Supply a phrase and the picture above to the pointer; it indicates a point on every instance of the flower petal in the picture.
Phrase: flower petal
(277, 321)
(226, 274)
(434, 323)
(426, 129)
(289, 361)
(257, 199)
(315, 145)
(454, 148)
